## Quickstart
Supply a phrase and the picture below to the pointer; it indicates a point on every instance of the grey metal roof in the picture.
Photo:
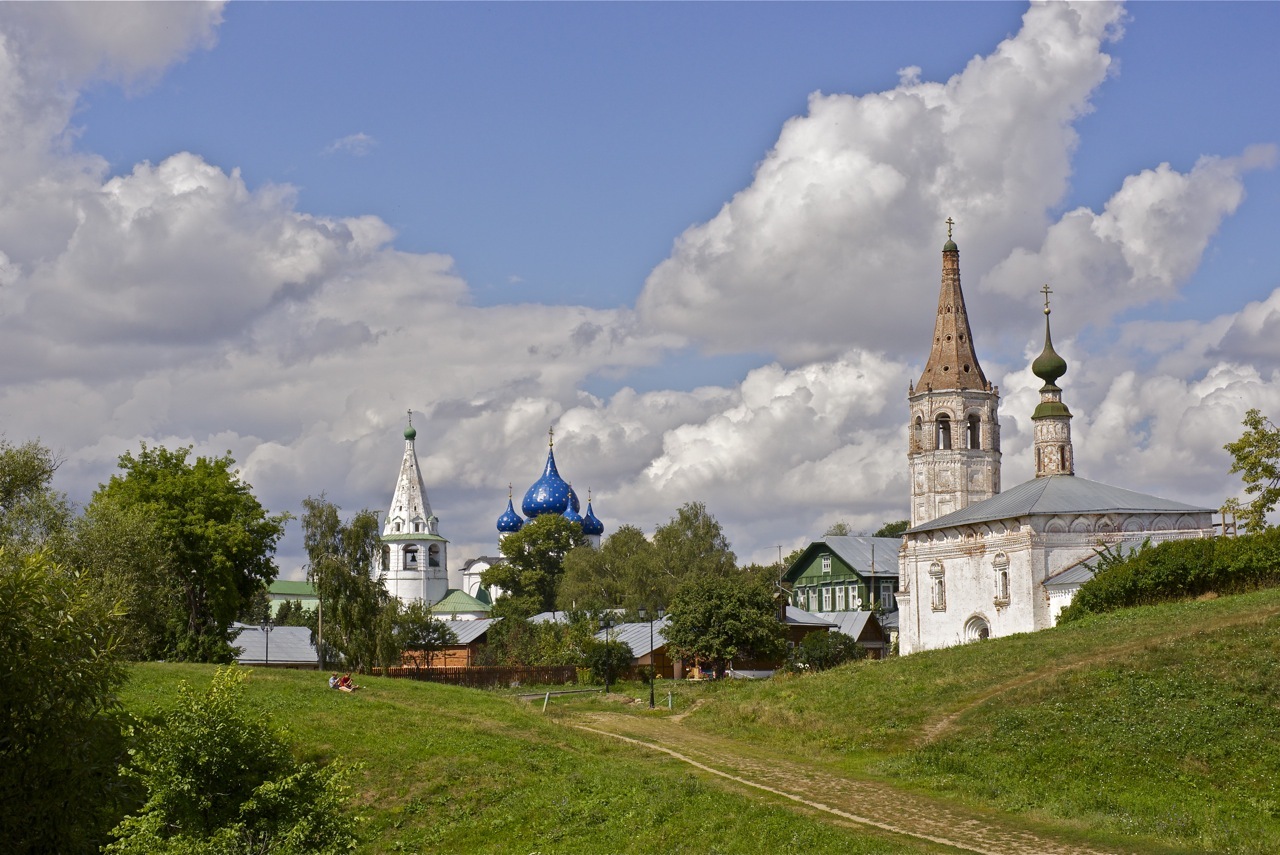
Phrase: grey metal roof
(467, 631)
(549, 617)
(858, 553)
(1058, 494)
(288, 645)
(850, 623)
(636, 636)
(799, 617)
(1082, 571)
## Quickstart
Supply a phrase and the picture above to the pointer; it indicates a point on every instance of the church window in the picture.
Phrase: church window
(433, 555)
(417, 526)
(840, 598)
(937, 587)
(397, 525)
(1062, 458)
(826, 599)
(944, 433)
(411, 557)
(826, 564)
(1001, 567)
(917, 437)
(974, 432)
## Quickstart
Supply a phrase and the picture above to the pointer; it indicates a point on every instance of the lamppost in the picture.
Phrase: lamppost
(606, 623)
(653, 658)
(266, 628)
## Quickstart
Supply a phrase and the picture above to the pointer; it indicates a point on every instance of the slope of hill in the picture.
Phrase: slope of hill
(1156, 723)
(445, 769)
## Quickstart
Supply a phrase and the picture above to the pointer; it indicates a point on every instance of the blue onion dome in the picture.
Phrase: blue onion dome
(573, 516)
(590, 524)
(510, 520)
(549, 494)
(574, 504)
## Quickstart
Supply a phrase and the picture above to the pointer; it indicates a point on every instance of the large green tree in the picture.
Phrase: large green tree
(530, 577)
(60, 733)
(32, 514)
(619, 574)
(692, 543)
(1256, 456)
(218, 540)
(718, 617)
(357, 616)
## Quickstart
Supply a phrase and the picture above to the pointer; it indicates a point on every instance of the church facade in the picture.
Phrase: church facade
(978, 562)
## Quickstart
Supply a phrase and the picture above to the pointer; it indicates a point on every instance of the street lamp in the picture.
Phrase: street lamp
(653, 658)
(606, 623)
(266, 628)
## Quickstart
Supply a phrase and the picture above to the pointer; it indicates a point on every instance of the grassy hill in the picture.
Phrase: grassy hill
(1155, 726)
(1159, 723)
(445, 769)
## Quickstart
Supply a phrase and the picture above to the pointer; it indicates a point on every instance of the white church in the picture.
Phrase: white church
(415, 556)
(978, 562)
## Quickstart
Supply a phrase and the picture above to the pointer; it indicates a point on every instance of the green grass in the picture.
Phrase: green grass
(445, 769)
(1159, 723)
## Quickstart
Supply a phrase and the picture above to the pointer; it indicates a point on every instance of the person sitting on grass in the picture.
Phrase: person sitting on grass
(333, 680)
(345, 684)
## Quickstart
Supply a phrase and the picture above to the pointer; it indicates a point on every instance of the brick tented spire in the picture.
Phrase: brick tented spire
(952, 364)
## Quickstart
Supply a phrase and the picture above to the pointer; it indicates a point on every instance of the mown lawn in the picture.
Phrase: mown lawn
(445, 769)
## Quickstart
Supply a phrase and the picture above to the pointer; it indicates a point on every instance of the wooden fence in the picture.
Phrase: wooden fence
(488, 676)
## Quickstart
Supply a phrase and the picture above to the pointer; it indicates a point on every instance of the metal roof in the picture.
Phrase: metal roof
(291, 589)
(636, 635)
(859, 553)
(467, 631)
(457, 602)
(1083, 570)
(1058, 494)
(288, 645)
(851, 624)
(799, 617)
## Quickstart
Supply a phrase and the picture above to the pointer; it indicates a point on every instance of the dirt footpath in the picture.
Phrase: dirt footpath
(846, 799)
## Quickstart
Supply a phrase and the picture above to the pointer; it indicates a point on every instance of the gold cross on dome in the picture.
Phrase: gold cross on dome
(950, 223)
(1045, 290)
(551, 437)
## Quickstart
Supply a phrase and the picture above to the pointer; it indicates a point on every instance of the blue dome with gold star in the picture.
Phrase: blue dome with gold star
(591, 525)
(549, 494)
(510, 520)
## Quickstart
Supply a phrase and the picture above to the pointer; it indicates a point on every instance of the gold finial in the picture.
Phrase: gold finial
(950, 223)
(551, 437)
(1045, 290)
(509, 493)
(588, 495)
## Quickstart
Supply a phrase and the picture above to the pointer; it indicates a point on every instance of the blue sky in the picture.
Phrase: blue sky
(631, 221)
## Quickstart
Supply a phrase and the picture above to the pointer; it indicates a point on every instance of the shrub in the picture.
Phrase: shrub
(608, 660)
(819, 651)
(219, 779)
(1177, 570)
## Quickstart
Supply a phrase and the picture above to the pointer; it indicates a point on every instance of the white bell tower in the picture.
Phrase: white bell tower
(415, 555)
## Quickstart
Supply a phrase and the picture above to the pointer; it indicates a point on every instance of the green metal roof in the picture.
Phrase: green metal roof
(291, 589)
(413, 535)
(458, 602)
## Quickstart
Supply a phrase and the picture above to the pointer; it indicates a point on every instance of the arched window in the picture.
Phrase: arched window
(944, 433)
(937, 588)
(411, 557)
(974, 433)
(1062, 458)
(917, 435)
(1001, 567)
(433, 555)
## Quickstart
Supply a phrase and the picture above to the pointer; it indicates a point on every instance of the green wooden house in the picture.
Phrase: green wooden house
(846, 574)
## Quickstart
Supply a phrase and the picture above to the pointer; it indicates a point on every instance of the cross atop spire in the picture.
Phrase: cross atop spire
(950, 223)
(1045, 290)
(551, 437)
(510, 495)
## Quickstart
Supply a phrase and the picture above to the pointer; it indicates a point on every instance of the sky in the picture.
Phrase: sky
(701, 241)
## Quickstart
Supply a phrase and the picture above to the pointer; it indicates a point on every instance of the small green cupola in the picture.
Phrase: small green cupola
(1051, 419)
(410, 433)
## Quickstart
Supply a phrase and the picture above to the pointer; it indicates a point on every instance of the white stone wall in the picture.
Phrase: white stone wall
(948, 479)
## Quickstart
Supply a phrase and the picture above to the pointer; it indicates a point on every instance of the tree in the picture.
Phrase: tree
(219, 779)
(217, 538)
(893, 529)
(838, 529)
(32, 515)
(819, 651)
(616, 575)
(692, 543)
(358, 614)
(717, 617)
(60, 734)
(421, 633)
(1256, 455)
(608, 660)
(535, 564)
